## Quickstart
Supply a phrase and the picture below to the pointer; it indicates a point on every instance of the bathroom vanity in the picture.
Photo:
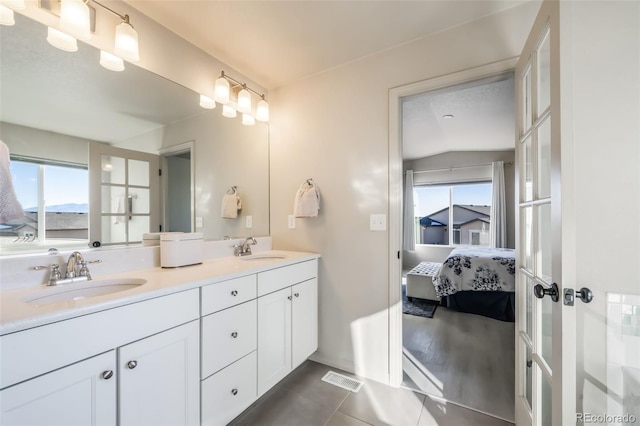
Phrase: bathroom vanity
(193, 345)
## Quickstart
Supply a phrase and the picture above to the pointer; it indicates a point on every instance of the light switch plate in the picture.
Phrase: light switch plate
(378, 222)
(249, 221)
(292, 222)
(198, 222)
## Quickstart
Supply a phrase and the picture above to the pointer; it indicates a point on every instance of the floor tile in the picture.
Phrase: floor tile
(378, 404)
(307, 382)
(341, 419)
(286, 408)
(440, 413)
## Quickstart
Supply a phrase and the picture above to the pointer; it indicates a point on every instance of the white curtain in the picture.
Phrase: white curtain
(498, 228)
(408, 232)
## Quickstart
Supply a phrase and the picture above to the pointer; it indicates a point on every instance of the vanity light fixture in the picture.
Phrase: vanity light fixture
(61, 40)
(75, 18)
(222, 95)
(206, 102)
(6, 11)
(111, 62)
(127, 40)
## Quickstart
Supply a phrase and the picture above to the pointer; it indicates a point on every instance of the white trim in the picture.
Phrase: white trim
(395, 193)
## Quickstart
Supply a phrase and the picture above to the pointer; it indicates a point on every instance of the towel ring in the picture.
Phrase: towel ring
(232, 190)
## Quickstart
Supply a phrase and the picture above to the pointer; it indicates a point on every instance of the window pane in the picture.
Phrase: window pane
(544, 243)
(544, 159)
(138, 225)
(113, 170)
(526, 99)
(432, 214)
(544, 75)
(526, 188)
(526, 224)
(138, 173)
(139, 200)
(66, 195)
(472, 213)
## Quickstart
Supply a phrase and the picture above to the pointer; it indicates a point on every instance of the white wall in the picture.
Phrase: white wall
(333, 127)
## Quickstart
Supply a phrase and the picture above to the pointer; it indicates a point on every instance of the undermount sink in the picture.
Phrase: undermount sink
(265, 256)
(94, 288)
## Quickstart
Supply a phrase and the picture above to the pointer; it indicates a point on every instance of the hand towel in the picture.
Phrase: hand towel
(10, 207)
(230, 205)
(307, 200)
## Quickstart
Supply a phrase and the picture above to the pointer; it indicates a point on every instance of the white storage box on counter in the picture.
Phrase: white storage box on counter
(180, 249)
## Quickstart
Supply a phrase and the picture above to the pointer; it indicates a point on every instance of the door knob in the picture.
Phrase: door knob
(540, 291)
(583, 294)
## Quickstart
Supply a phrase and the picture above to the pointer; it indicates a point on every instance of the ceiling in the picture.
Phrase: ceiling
(277, 42)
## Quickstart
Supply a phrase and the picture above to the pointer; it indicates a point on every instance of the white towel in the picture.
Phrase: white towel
(10, 207)
(307, 201)
(230, 205)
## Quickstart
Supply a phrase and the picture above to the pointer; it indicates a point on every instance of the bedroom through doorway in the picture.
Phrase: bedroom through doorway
(458, 240)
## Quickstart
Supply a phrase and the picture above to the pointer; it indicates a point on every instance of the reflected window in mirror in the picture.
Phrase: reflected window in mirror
(55, 199)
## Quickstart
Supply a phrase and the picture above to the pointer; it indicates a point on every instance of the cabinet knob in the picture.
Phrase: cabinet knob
(107, 374)
(234, 391)
(234, 334)
(234, 293)
(132, 364)
(296, 294)
(289, 297)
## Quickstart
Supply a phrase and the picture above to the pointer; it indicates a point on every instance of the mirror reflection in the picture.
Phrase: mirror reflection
(73, 128)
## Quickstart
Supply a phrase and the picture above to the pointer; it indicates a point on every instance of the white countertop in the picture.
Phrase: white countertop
(16, 314)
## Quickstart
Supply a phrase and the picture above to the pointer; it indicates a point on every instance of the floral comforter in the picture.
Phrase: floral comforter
(476, 269)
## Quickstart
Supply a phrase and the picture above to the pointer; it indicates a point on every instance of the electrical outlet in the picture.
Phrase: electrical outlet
(378, 222)
(198, 222)
(249, 222)
(292, 222)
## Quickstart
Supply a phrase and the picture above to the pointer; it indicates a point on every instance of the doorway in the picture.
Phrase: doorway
(177, 186)
(426, 352)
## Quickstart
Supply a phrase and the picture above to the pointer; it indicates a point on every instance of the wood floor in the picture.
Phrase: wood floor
(464, 358)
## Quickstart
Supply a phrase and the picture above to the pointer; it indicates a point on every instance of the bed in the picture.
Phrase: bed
(478, 280)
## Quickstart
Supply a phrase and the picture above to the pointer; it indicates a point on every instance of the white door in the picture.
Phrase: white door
(578, 92)
(124, 194)
(160, 378)
(304, 321)
(81, 394)
(274, 338)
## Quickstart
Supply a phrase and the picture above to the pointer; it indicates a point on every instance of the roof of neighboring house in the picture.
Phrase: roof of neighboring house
(441, 217)
(477, 219)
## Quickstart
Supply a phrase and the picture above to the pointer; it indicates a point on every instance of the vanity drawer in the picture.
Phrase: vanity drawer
(228, 335)
(275, 279)
(225, 294)
(228, 392)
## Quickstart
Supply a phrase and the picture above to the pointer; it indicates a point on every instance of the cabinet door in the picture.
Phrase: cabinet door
(160, 378)
(75, 395)
(304, 322)
(274, 338)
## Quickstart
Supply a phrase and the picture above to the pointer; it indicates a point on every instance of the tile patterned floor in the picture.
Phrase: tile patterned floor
(303, 399)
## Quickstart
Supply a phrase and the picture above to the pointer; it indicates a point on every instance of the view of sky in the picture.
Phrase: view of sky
(63, 185)
(430, 199)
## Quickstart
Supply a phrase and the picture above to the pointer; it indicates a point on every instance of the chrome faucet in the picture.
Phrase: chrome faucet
(76, 258)
(243, 249)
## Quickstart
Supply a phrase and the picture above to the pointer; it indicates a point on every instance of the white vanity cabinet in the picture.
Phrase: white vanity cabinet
(229, 340)
(287, 320)
(135, 364)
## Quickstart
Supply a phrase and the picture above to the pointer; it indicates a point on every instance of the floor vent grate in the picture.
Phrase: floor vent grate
(342, 381)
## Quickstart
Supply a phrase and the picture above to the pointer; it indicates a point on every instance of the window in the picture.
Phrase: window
(467, 206)
(55, 199)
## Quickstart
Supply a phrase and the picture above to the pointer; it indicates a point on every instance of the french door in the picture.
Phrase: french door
(578, 322)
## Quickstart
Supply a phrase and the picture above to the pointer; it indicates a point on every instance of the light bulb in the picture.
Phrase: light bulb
(74, 18)
(262, 111)
(229, 111)
(206, 102)
(111, 62)
(126, 45)
(221, 91)
(61, 40)
(6, 16)
(248, 120)
(244, 101)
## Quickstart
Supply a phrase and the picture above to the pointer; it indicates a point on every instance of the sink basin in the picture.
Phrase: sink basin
(263, 257)
(94, 288)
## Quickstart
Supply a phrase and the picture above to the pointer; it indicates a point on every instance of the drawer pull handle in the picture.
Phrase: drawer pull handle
(107, 374)
(234, 391)
(132, 364)
(296, 294)
(234, 334)
(234, 293)
(289, 297)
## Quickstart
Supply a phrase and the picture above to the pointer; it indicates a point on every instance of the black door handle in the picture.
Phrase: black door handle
(540, 291)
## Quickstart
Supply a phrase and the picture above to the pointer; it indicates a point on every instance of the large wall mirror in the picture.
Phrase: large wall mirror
(65, 119)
